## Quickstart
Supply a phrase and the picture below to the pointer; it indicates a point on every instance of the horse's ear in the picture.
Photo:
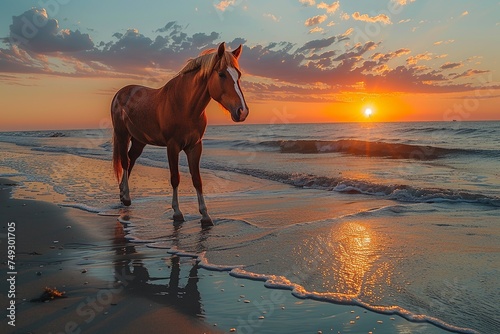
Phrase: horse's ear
(237, 51)
(221, 49)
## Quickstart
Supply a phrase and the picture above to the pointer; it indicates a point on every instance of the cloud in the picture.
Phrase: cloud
(357, 51)
(271, 16)
(171, 26)
(317, 44)
(34, 31)
(379, 18)
(404, 21)
(345, 34)
(470, 73)
(224, 4)
(330, 9)
(444, 42)
(316, 29)
(315, 20)
(384, 58)
(345, 16)
(441, 56)
(18, 60)
(133, 52)
(464, 14)
(402, 2)
(449, 65)
(313, 70)
(415, 59)
(307, 2)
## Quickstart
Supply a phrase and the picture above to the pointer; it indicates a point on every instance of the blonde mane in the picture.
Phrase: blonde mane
(206, 62)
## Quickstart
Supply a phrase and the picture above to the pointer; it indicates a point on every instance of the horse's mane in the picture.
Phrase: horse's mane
(207, 60)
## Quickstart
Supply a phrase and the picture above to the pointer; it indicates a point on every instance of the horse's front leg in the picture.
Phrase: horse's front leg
(193, 156)
(173, 163)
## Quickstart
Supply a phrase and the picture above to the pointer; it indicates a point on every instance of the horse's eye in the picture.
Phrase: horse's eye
(222, 74)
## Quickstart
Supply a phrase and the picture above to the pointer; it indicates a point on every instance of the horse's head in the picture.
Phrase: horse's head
(224, 83)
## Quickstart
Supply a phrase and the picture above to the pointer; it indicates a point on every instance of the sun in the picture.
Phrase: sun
(368, 112)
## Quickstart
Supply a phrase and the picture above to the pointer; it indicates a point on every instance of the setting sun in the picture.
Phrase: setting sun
(368, 112)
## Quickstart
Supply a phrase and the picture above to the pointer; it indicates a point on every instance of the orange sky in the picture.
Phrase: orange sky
(301, 63)
(53, 102)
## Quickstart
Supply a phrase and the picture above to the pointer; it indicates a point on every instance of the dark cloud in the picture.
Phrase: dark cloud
(172, 25)
(449, 65)
(384, 58)
(317, 44)
(470, 73)
(357, 51)
(313, 71)
(133, 52)
(324, 55)
(201, 40)
(34, 31)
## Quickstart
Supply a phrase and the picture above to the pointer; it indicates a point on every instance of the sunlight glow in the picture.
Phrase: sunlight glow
(368, 112)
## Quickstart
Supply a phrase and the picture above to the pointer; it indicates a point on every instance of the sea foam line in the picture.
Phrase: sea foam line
(82, 207)
(298, 291)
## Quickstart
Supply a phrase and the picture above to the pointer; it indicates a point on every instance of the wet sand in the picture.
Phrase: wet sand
(87, 257)
(112, 285)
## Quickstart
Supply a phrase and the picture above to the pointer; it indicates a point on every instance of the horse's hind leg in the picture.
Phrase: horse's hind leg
(173, 164)
(134, 153)
(124, 160)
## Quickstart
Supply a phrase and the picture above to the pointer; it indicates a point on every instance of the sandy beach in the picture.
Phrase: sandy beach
(110, 286)
(74, 252)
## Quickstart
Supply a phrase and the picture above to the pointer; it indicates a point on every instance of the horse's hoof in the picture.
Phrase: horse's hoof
(206, 222)
(179, 218)
(126, 202)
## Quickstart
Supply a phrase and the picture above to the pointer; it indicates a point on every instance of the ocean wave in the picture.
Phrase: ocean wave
(398, 192)
(454, 130)
(365, 148)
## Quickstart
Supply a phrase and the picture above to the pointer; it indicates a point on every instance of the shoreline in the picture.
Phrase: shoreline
(114, 285)
(87, 257)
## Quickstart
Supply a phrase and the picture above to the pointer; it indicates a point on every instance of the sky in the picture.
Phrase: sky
(303, 61)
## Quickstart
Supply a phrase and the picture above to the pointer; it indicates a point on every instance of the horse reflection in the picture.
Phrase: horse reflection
(132, 273)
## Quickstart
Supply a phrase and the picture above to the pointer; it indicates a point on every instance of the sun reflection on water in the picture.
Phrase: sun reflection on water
(353, 255)
(345, 260)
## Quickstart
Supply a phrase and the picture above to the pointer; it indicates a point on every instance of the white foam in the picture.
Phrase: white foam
(280, 282)
(203, 263)
(83, 207)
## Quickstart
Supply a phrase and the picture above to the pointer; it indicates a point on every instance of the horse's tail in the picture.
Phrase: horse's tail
(117, 165)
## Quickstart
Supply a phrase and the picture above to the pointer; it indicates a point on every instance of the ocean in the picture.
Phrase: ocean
(401, 219)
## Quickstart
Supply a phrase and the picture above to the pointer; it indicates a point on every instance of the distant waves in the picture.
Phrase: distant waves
(368, 149)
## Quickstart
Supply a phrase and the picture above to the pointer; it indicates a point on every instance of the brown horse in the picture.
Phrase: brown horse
(174, 116)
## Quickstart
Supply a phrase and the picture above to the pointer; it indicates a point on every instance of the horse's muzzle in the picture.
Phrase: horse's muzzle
(239, 115)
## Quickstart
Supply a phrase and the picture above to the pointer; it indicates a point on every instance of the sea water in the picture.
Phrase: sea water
(396, 218)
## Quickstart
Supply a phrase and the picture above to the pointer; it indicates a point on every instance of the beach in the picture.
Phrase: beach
(90, 260)
(72, 251)
(291, 250)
